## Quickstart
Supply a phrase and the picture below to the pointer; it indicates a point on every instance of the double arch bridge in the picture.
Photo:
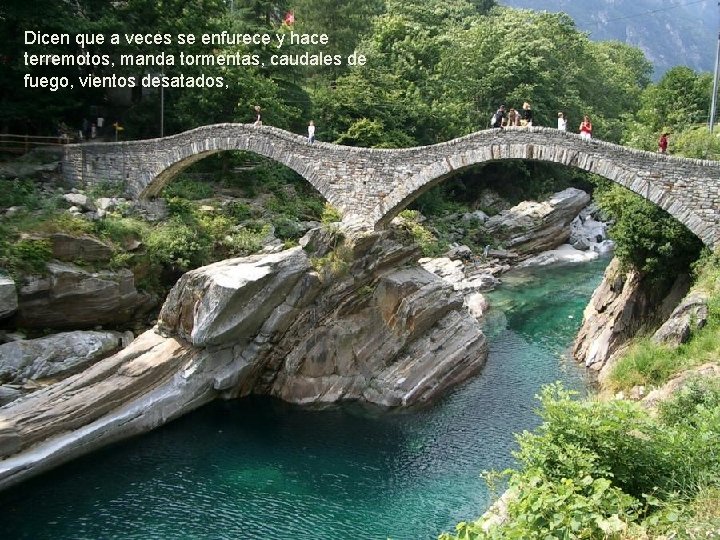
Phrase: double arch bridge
(372, 186)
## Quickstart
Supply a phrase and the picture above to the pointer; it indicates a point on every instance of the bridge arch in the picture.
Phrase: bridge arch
(674, 184)
(192, 146)
(436, 173)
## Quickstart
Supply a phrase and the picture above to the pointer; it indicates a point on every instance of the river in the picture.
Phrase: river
(259, 468)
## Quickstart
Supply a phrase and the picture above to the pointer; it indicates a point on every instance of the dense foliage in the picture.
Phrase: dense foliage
(611, 470)
(647, 237)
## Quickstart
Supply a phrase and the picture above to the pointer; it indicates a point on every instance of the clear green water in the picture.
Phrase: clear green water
(258, 468)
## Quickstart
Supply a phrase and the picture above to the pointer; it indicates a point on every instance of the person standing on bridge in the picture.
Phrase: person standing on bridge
(526, 115)
(586, 128)
(498, 117)
(562, 122)
(663, 143)
(258, 119)
(311, 132)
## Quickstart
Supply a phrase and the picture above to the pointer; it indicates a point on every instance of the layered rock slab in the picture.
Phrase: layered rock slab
(392, 337)
(531, 227)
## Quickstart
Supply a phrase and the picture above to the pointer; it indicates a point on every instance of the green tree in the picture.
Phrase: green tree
(647, 237)
(679, 101)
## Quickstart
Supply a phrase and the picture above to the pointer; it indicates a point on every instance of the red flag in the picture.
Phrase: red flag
(289, 18)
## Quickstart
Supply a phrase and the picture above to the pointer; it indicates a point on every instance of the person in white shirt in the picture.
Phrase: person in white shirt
(311, 132)
(562, 122)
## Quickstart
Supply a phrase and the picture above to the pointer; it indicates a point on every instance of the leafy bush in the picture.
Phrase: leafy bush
(120, 230)
(20, 192)
(330, 214)
(286, 228)
(239, 211)
(697, 394)
(245, 241)
(57, 222)
(179, 245)
(428, 242)
(610, 470)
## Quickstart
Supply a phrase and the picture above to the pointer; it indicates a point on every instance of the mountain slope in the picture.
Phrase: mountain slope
(670, 32)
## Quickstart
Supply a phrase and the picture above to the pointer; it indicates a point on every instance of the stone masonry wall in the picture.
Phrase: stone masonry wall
(373, 185)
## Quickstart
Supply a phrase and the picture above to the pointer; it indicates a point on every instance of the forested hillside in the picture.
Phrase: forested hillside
(670, 33)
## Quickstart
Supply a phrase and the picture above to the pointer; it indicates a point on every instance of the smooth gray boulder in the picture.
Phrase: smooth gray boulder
(55, 356)
(690, 315)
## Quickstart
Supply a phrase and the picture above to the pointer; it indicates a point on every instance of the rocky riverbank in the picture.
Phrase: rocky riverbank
(347, 317)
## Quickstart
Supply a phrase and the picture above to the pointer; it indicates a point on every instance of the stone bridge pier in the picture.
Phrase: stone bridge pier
(372, 185)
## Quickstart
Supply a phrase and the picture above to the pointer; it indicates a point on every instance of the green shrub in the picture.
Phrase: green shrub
(429, 244)
(20, 192)
(180, 207)
(239, 211)
(647, 237)
(610, 470)
(330, 214)
(686, 403)
(121, 230)
(286, 228)
(245, 241)
(178, 245)
(60, 222)
(25, 256)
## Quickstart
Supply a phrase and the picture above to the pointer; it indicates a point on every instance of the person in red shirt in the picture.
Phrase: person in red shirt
(663, 143)
(586, 128)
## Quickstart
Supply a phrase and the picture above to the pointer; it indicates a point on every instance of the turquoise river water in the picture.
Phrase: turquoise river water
(258, 468)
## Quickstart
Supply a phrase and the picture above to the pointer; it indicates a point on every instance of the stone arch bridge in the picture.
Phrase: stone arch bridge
(372, 185)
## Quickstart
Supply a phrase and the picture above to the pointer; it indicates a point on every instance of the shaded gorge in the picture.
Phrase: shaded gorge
(260, 468)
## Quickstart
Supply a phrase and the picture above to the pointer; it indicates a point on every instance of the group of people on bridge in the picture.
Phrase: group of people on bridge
(524, 118)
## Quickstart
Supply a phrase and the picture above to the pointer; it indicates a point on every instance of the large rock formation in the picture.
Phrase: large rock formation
(72, 297)
(619, 307)
(531, 227)
(343, 319)
(388, 336)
